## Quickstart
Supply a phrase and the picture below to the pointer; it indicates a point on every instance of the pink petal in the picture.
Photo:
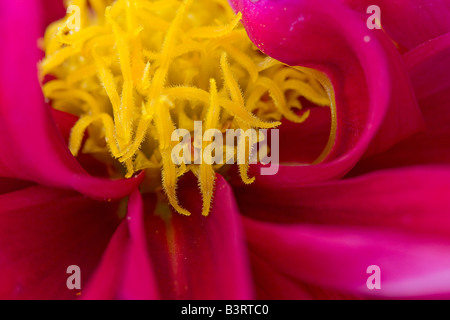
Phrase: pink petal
(409, 22)
(376, 107)
(32, 148)
(200, 257)
(412, 266)
(43, 231)
(412, 199)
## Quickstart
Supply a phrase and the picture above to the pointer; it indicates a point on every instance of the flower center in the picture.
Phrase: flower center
(137, 70)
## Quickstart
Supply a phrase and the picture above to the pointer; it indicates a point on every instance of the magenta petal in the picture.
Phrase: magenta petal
(280, 286)
(138, 282)
(125, 271)
(32, 146)
(64, 122)
(273, 284)
(375, 104)
(191, 257)
(200, 257)
(338, 258)
(43, 231)
(105, 282)
(53, 11)
(403, 211)
(310, 137)
(409, 22)
(413, 199)
(429, 67)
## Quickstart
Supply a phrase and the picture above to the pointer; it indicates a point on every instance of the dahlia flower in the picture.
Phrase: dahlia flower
(87, 179)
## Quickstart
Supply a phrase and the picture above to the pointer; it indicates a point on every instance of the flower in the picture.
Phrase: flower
(375, 196)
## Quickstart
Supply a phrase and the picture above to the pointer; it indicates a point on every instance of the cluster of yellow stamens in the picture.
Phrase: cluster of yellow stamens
(136, 70)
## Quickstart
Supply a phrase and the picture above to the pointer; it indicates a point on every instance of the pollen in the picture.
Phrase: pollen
(134, 71)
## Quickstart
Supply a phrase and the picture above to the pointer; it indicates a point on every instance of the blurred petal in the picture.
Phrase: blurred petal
(375, 104)
(271, 284)
(429, 67)
(280, 286)
(35, 149)
(64, 122)
(43, 231)
(200, 257)
(53, 10)
(9, 185)
(337, 258)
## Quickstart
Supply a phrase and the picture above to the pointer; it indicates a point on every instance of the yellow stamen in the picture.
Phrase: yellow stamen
(165, 127)
(207, 176)
(137, 70)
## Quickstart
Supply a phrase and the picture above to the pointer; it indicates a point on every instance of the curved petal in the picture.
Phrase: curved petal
(200, 257)
(338, 258)
(429, 67)
(32, 148)
(412, 199)
(43, 231)
(409, 22)
(375, 104)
